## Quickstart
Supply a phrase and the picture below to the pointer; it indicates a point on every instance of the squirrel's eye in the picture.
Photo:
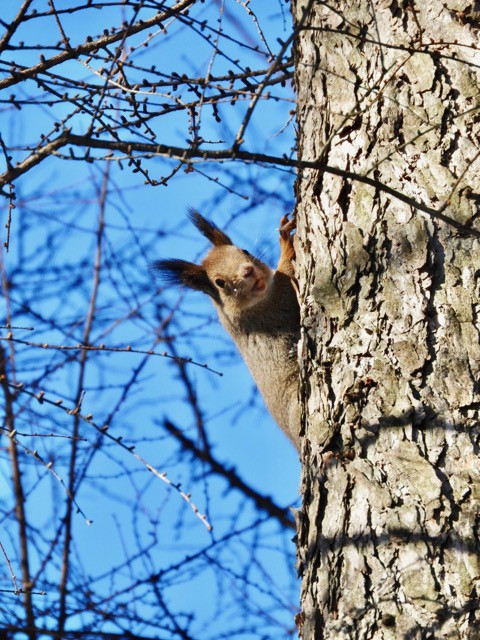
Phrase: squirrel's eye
(247, 253)
(220, 283)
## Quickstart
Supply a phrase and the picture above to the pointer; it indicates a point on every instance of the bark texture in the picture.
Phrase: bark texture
(388, 537)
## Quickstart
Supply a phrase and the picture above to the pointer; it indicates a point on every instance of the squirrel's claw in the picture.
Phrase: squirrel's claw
(286, 227)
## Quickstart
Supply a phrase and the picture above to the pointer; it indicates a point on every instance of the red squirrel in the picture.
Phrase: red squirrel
(259, 309)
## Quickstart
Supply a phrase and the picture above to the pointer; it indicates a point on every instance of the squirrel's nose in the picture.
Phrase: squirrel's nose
(248, 270)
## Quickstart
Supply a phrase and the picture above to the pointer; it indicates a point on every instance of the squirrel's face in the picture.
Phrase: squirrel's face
(240, 279)
(232, 277)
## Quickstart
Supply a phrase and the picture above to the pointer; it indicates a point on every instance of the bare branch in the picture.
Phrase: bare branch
(264, 503)
(109, 349)
(19, 74)
(190, 154)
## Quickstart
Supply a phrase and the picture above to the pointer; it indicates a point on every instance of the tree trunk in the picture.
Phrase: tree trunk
(388, 535)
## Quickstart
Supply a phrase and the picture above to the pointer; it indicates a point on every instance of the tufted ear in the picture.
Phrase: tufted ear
(187, 273)
(210, 230)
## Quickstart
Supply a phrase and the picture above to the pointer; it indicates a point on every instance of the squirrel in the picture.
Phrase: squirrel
(258, 307)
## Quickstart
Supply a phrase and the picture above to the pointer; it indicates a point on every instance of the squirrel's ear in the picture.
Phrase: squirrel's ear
(188, 273)
(210, 230)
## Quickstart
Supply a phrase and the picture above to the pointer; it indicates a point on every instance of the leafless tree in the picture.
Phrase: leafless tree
(107, 104)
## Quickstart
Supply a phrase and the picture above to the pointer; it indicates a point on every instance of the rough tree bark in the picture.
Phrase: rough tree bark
(388, 536)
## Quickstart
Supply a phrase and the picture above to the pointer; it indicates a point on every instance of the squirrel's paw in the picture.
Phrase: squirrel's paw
(286, 227)
(287, 251)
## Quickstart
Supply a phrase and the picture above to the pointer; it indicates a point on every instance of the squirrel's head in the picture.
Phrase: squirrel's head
(232, 277)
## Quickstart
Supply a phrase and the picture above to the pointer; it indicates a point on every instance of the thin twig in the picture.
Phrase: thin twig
(9, 564)
(49, 467)
(12, 27)
(106, 349)
(88, 419)
(94, 45)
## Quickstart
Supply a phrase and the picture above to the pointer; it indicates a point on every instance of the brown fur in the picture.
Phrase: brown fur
(259, 309)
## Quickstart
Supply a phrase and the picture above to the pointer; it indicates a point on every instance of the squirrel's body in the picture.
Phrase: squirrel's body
(259, 309)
